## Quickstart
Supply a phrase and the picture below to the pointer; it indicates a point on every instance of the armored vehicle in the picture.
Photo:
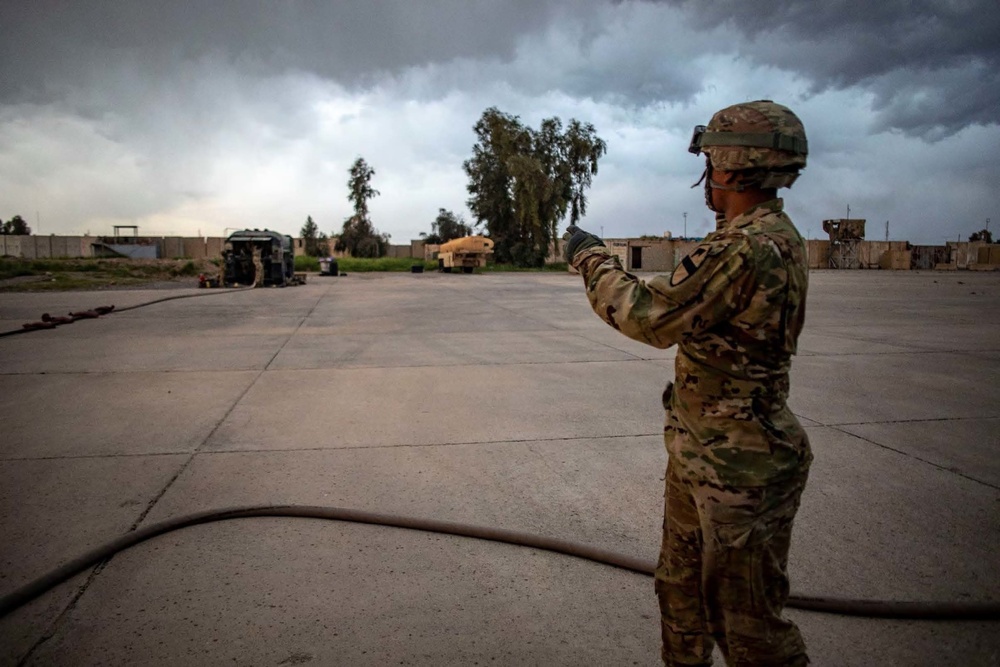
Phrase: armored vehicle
(466, 253)
(250, 251)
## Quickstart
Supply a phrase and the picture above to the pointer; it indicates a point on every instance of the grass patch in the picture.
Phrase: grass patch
(97, 273)
(365, 264)
(403, 264)
(73, 280)
(306, 263)
(560, 267)
(10, 268)
(188, 268)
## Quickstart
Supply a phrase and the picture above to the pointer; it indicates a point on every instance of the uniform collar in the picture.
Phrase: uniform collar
(775, 205)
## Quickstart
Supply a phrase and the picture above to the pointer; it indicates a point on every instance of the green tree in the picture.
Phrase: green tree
(360, 188)
(323, 245)
(310, 236)
(15, 225)
(523, 182)
(499, 136)
(358, 236)
(982, 235)
(447, 226)
(583, 149)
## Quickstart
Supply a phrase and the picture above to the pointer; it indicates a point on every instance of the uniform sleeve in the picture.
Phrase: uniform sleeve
(709, 286)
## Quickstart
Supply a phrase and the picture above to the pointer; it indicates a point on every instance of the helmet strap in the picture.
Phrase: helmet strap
(739, 187)
(704, 173)
(709, 184)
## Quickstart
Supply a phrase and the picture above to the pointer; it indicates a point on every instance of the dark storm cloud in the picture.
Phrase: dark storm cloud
(46, 45)
(188, 116)
(933, 66)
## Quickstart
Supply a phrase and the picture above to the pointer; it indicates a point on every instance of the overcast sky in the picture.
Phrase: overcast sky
(194, 117)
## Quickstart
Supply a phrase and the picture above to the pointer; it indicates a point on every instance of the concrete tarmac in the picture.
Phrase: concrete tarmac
(498, 400)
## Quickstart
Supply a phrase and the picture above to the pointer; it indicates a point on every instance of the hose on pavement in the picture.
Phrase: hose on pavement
(950, 611)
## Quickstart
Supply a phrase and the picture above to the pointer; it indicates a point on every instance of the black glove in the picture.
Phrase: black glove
(578, 240)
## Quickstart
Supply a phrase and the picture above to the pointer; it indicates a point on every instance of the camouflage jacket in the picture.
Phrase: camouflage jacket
(735, 307)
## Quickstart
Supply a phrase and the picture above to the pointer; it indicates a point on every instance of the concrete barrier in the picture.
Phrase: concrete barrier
(194, 247)
(213, 246)
(818, 252)
(895, 259)
(13, 246)
(653, 254)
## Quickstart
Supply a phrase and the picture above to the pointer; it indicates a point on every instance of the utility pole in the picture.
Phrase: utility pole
(887, 230)
(685, 224)
(602, 231)
(848, 211)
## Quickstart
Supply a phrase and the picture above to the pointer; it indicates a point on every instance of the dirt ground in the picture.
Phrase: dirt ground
(27, 275)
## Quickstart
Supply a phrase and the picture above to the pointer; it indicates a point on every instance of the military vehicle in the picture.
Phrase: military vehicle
(251, 250)
(465, 253)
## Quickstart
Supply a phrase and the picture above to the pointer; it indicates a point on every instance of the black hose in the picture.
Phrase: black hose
(211, 292)
(951, 611)
(14, 332)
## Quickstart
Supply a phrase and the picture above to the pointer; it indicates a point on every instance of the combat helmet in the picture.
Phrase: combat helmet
(763, 139)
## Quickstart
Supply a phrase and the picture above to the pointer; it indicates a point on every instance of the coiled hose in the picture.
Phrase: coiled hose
(951, 611)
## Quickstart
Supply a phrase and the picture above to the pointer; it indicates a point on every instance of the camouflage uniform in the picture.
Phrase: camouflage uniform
(258, 268)
(738, 457)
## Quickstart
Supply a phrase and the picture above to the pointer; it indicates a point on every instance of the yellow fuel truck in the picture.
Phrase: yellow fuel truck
(465, 253)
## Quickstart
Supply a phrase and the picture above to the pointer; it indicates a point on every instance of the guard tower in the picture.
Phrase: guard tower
(846, 235)
(119, 236)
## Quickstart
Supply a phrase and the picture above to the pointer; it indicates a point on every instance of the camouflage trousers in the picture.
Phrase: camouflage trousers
(722, 574)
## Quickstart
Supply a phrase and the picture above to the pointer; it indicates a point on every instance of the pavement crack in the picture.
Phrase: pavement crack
(222, 420)
(909, 348)
(900, 353)
(299, 326)
(158, 371)
(354, 367)
(54, 627)
(110, 455)
(152, 503)
(914, 421)
(432, 444)
(953, 471)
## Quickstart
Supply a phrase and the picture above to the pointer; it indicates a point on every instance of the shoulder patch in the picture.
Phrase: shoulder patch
(689, 265)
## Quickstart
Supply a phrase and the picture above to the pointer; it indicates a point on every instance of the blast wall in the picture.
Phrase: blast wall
(44, 247)
(654, 254)
(399, 251)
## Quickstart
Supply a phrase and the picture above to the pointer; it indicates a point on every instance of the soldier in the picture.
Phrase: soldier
(258, 267)
(737, 456)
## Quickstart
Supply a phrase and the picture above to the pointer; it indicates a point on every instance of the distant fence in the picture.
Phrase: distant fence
(167, 247)
(68, 247)
(636, 254)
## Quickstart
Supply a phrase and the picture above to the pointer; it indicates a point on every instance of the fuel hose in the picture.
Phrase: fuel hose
(930, 611)
(53, 323)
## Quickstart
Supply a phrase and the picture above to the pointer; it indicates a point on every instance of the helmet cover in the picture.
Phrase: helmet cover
(754, 135)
